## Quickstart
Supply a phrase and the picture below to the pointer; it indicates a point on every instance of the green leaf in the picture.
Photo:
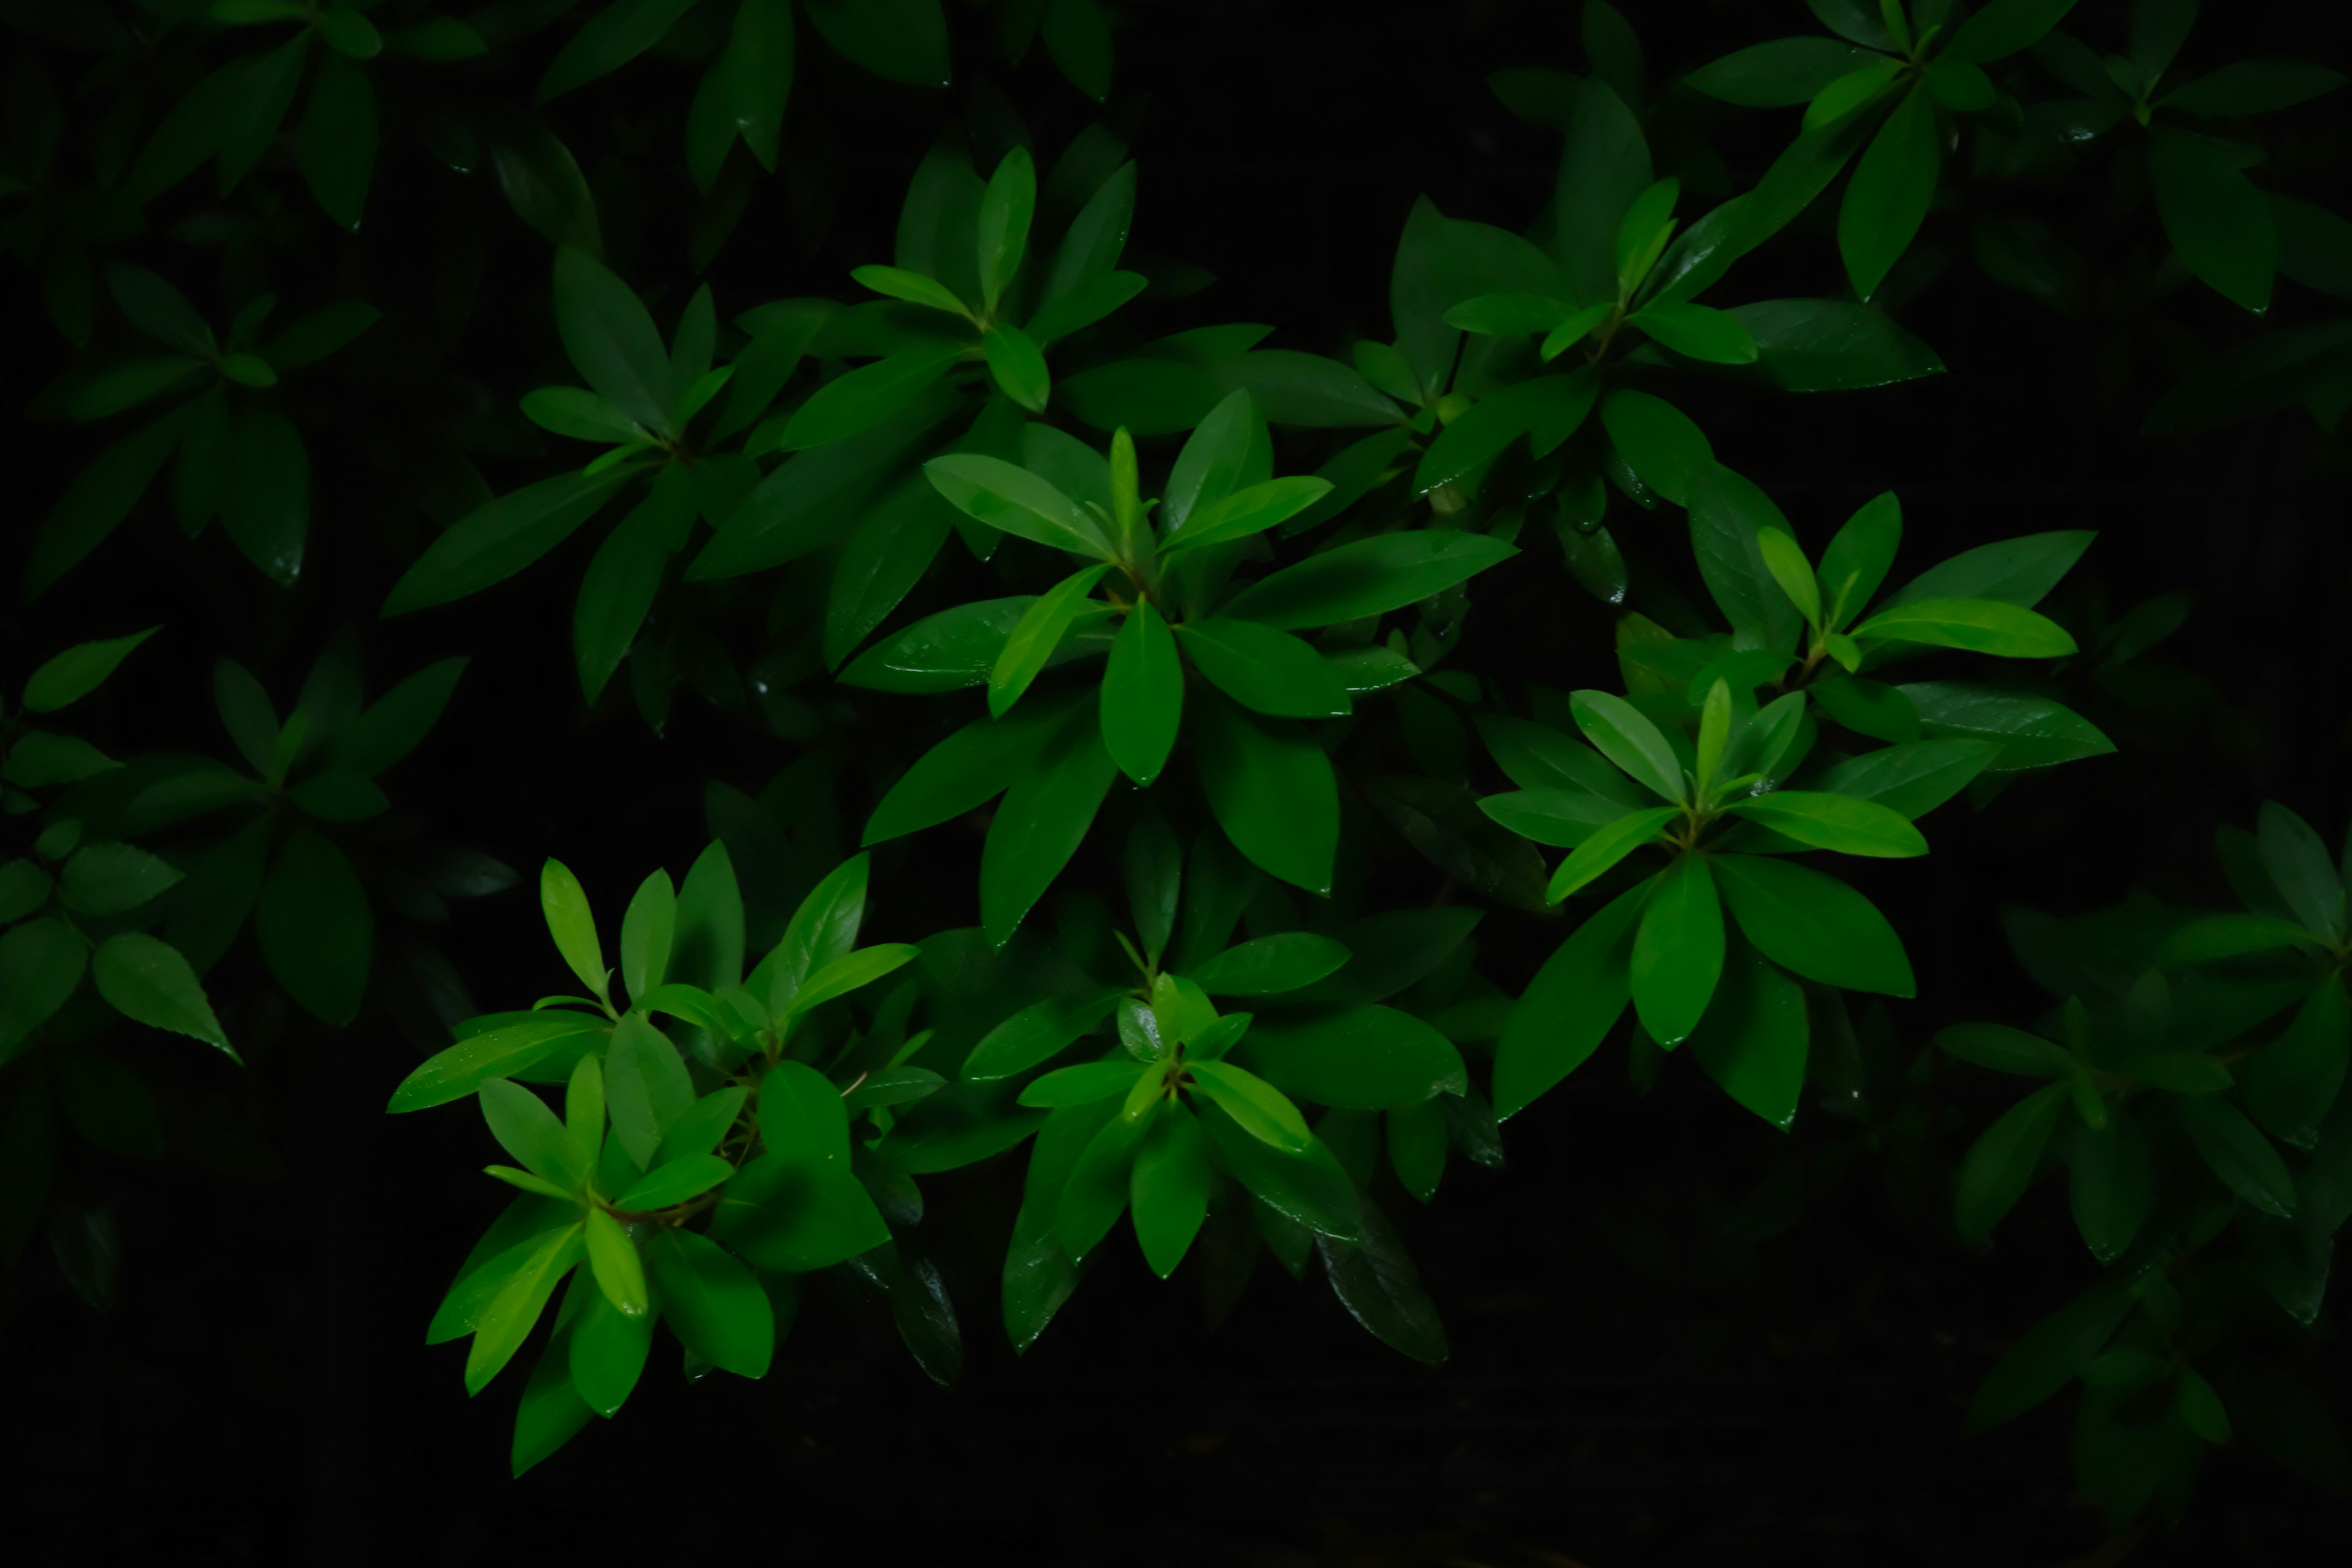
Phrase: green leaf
(1605, 167)
(1658, 442)
(865, 398)
(2051, 1354)
(576, 412)
(1981, 625)
(1366, 1057)
(2004, 1049)
(2229, 936)
(673, 1181)
(646, 1087)
(1366, 577)
(1246, 512)
(1270, 966)
(626, 575)
(1625, 736)
(1006, 207)
(1036, 634)
(317, 334)
(1083, 306)
(1776, 75)
(572, 925)
(991, 491)
(620, 1274)
(1310, 1188)
(609, 39)
(139, 977)
(2218, 221)
(316, 929)
(604, 1352)
(1888, 196)
(2014, 571)
(1265, 669)
(2252, 87)
(1753, 1038)
(1813, 925)
(1547, 409)
(1536, 757)
(852, 971)
(1829, 345)
(911, 287)
(1100, 1182)
(266, 505)
(507, 1321)
(99, 497)
(2002, 27)
(1142, 695)
(538, 1186)
(2292, 1083)
(2299, 867)
(647, 931)
(1039, 1033)
(2235, 1151)
(1078, 36)
(340, 136)
(41, 963)
(1018, 365)
(1838, 822)
(745, 92)
(23, 889)
(1169, 1189)
(1563, 818)
(1272, 791)
(492, 1053)
(1091, 246)
(525, 1129)
(2002, 1163)
(1046, 811)
(108, 878)
(900, 40)
(610, 338)
(79, 670)
(2032, 731)
(1791, 571)
(1509, 315)
(964, 771)
(1697, 331)
(1678, 951)
(1258, 1108)
(499, 538)
(1375, 1278)
(1082, 1085)
(712, 1302)
(890, 551)
(1604, 847)
(2111, 1186)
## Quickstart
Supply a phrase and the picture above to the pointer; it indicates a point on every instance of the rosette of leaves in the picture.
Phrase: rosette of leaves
(239, 456)
(1613, 278)
(696, 1178)
(231, 116)
(1828, 628)
(2170, 1085)
(1181, 638)
(283, 840)
(1719, 806)
(1192, 1112)
(78, 902)
(1887, 86)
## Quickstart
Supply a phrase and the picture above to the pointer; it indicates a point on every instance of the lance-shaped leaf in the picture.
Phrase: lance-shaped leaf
(1142, 695)
(1624, 734)
(1836, 822)
(1980, 625)
(1604, 847)
(1004, 496)
(1036, 634)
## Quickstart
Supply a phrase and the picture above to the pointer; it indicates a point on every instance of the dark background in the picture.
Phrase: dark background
(1633, 1380)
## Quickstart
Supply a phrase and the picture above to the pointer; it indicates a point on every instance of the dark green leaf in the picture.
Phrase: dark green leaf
(1143, 695)
(1753, 1038)
(1776, 75)
(712, 1302)
(338, 139)
(2218, 224)
(625, 574)
(316, 929)
(2032, 731)
(2234, 1150)
(1046, 811)
(1376, 1280)
(900, 40)
(1814, 925)
(1364, 1056)
(1272, 791)
(2002, 1163)
(609, 39)
(1887, 198)
(1262, 668)
(498, 539)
